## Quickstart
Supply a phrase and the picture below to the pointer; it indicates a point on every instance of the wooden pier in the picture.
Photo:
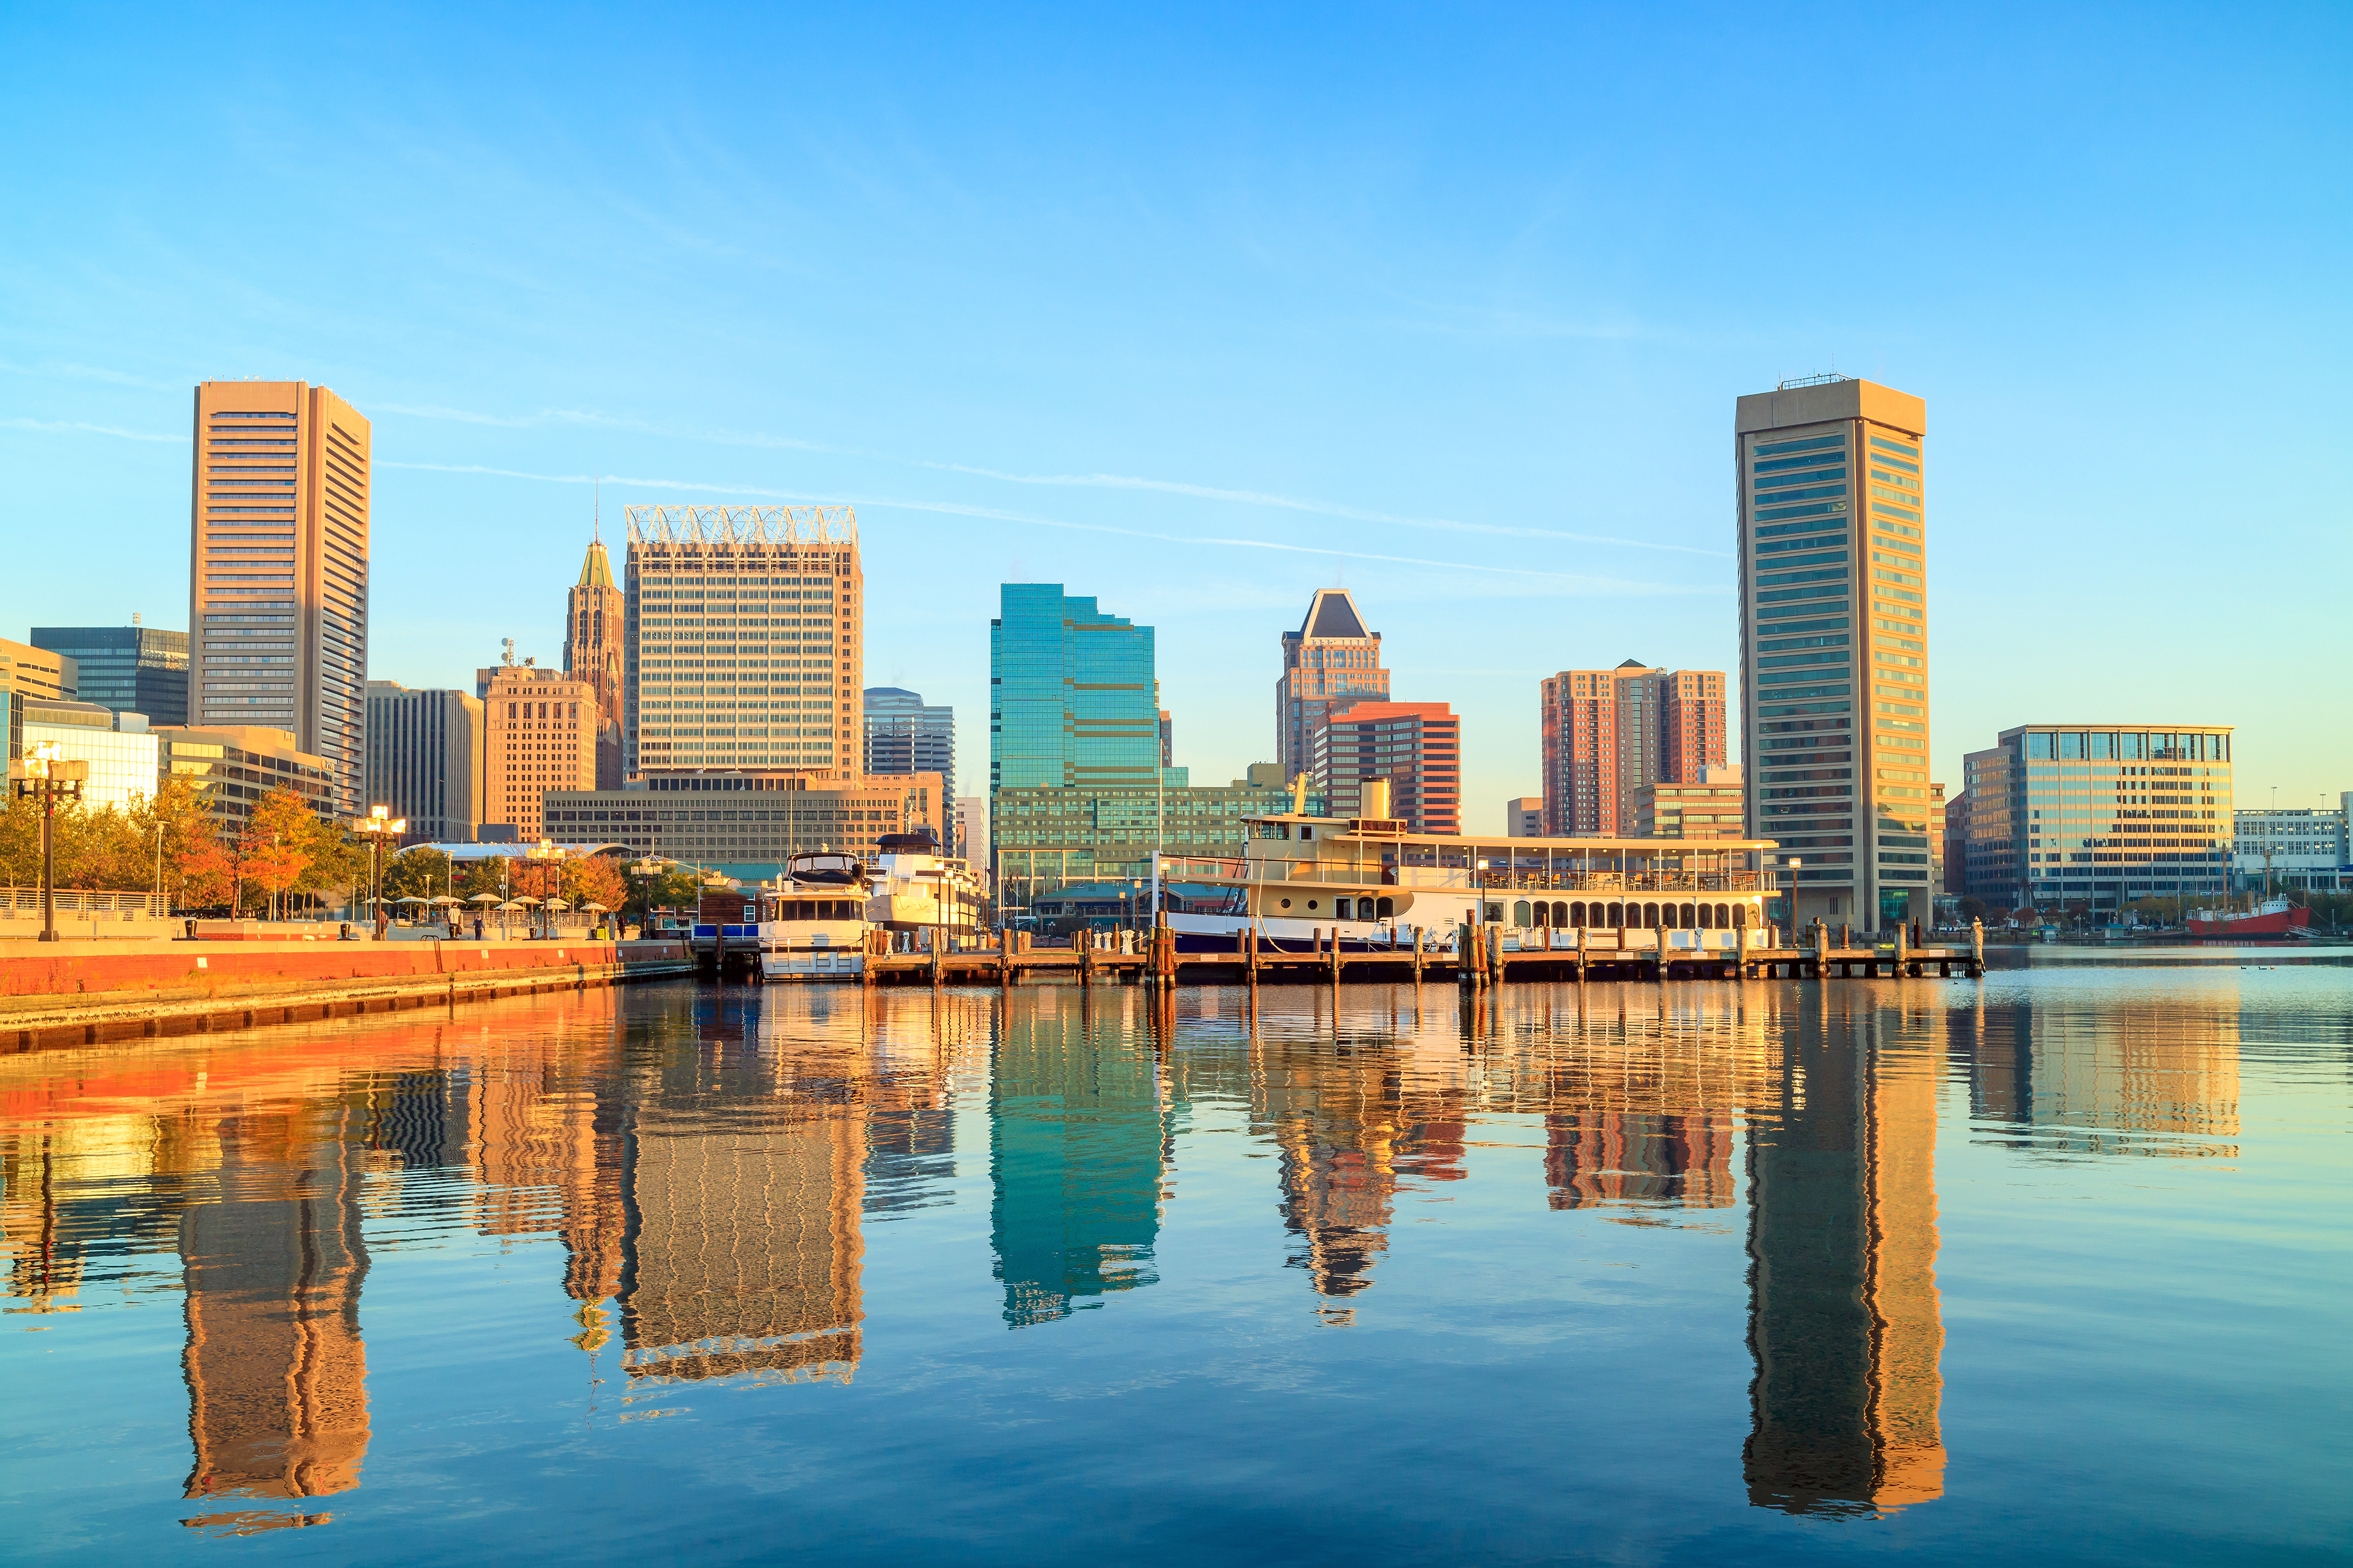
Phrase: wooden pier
(1643, 956)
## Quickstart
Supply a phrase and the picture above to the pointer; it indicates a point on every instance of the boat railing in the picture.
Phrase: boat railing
(1272, 872)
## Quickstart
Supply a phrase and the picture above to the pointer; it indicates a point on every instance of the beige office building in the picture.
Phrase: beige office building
(278, 570)
(425, 760)
(539, 734)
(233, 766)
(746, 640)
(1834, 644)
(1715, 807)
(29, 674)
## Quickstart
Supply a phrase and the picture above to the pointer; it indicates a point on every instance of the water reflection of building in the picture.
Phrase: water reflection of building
(2118, 1077)
(1843, 1319)
(276, 1372)
(1595, 1157)
(1078, 1141)
(743, 1250)
(742, 1184)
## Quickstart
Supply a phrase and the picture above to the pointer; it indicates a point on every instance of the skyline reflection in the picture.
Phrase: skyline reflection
(708, 1163)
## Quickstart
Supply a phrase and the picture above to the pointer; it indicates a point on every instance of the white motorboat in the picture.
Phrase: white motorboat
(813, 920)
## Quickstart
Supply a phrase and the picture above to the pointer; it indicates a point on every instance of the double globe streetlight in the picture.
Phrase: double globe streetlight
(378, 824)
(43, 773)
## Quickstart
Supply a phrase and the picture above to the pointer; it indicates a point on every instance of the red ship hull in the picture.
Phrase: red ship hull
(2276, 924)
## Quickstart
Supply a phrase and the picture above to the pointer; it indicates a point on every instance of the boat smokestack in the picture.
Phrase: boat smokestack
(1375, 799)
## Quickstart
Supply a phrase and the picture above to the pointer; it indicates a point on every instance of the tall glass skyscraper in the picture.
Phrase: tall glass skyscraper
(1834, 644)
(1071, 698)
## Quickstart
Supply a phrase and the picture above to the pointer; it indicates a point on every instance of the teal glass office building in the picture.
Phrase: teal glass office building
(1071, 698)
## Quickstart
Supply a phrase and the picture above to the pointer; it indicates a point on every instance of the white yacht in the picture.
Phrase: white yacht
(813, 920)
(913, 888)
(1365, 884)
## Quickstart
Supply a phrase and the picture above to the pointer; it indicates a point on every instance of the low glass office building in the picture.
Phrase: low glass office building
(2099, 816)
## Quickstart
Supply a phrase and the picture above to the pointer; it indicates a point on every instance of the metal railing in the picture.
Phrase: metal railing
(17, 901)
(1442, 878)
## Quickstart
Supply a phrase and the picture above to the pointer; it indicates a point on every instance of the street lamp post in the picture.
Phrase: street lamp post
(44, 774)
(546, 852)
(378, 824)
(650, 868)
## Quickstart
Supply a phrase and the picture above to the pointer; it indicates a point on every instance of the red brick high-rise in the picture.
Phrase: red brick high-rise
(1607, 733)
(1417, 746)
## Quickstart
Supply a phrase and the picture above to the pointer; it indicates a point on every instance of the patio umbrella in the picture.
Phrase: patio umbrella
(412, 899)
(593, 909)
(522, 903)
(511, 904)
(445, 899)
(557, 904)
(483, 899)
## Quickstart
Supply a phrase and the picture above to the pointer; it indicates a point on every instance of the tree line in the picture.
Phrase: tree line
(285, 860)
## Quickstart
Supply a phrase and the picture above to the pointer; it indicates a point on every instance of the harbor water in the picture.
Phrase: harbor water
(2048, 1265)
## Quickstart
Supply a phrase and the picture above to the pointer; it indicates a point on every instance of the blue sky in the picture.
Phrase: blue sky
(1197, 312)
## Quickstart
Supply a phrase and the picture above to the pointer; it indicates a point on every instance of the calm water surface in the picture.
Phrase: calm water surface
(2052, 1266)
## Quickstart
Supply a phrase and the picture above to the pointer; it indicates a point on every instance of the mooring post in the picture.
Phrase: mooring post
(1582, 932)
(1901, 952)
(1977, 947)
(1821, 950)
(1659, 948)
(1417, 955)
(1740, 952)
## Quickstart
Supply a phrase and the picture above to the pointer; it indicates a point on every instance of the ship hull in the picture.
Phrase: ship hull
(2276, 923)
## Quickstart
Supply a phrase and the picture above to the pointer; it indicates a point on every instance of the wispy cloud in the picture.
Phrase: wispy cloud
(76, 427)
(61, 369)
(761, 440)
(1563, 581)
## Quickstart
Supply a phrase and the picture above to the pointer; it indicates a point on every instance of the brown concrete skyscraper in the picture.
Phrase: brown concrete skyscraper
(278, 569)
(1833, 552)
(592, 638)
(1329, 662)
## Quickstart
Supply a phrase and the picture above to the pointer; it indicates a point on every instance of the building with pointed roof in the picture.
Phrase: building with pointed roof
(1331, 660)
(594, 622)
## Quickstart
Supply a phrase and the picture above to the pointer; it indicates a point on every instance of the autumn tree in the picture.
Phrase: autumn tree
(594, 880)
(278, 846)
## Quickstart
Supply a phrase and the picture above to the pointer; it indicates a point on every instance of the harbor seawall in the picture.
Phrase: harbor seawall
(81, 992)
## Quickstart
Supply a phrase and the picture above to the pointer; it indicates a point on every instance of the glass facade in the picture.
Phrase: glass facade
(131, 669)
(121, 766)
(1835, 656)
(1049, 838)
(2099, 816)
(1070, 698)
(903, 735)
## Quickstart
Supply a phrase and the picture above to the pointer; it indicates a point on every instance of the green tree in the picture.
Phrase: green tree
(487, 875)
(422, 872)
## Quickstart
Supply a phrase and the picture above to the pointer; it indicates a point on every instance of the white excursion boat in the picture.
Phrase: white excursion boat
(813, 920)
(1365, 884)
(913, 888)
